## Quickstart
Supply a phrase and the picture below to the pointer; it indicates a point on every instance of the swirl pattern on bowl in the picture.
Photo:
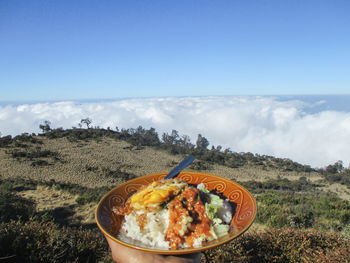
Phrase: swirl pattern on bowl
(244, 215)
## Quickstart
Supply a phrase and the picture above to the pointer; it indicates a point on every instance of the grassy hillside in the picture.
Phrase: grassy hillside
(55, 180)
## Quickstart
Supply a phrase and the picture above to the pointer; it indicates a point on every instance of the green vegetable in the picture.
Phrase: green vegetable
(221, 229)
(212, 206)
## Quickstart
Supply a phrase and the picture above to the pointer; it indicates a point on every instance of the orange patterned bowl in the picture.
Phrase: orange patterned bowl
(244, 215)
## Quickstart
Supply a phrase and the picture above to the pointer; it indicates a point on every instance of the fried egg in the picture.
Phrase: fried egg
(156, 194)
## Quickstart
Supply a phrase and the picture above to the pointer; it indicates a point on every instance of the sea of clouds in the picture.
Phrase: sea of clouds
(287, 128)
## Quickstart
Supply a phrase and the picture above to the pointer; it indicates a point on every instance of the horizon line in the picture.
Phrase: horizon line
(5, 102)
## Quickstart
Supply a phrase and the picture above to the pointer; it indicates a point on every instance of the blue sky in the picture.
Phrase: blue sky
(60, 50)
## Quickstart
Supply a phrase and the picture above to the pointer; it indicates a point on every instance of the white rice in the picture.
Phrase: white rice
(153, 233)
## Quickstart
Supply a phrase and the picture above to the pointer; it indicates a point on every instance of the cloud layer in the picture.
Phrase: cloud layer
(264, 125)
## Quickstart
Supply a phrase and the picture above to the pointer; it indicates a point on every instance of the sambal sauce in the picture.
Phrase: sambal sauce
(171, 214)
(188, 219)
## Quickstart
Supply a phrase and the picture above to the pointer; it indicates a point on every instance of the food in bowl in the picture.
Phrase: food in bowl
(171, 214)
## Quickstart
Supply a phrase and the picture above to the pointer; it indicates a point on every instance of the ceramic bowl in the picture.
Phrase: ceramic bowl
(244, 215)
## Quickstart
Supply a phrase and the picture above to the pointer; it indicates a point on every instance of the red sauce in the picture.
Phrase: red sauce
(187, 205)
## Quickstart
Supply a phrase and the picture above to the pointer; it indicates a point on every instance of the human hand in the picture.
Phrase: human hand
(122, 254)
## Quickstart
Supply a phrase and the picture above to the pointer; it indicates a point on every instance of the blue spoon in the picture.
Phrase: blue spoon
(174, 172)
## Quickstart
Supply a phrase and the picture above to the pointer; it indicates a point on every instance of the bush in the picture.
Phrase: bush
(33, 241)
(91, 195)
(39, 163)
(86, 195)
(283, 245)
(336, 173)
(118, 173)
(5, 141)
(200, 165)
(25, 137)
(279, 184)
(179, 144)
(305, 210)
(13, 206)
(46, 242)
(35, 156)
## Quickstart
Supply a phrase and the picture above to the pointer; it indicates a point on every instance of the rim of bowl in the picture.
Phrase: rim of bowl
(178, 251)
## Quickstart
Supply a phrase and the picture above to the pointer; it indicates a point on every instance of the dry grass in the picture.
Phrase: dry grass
(48, 198)
(85, 163)
(109, 154)
(341, 190)
(99, 163)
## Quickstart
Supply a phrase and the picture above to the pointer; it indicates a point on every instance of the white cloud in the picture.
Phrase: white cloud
(261, 125)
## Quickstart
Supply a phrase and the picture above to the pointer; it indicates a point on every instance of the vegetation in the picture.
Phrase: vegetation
(298, 204)
(174, 143)
(336, 173)
(280, 184)
(32, 241)
(86, 195)
(319, 211)
(50, 243)
(13, 206)
(301, 222)
(283, 245)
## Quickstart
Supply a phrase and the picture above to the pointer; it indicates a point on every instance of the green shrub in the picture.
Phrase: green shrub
(90, 195)
(27, 138)
(200, 165)
(277, 220)
(86, 195)
(13, 207)
(341, 177)
(179, 144)
(280, 184)
(35, 156)
(283, 246)
(5, 141)
(39, 163)
(47, 242)
(303, 210)
(118, 173)
(336, 173)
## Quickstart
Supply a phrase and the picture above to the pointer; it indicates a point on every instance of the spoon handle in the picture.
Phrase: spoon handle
(174, 172)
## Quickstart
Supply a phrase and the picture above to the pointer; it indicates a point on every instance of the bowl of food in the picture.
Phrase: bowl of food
(188, 214)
